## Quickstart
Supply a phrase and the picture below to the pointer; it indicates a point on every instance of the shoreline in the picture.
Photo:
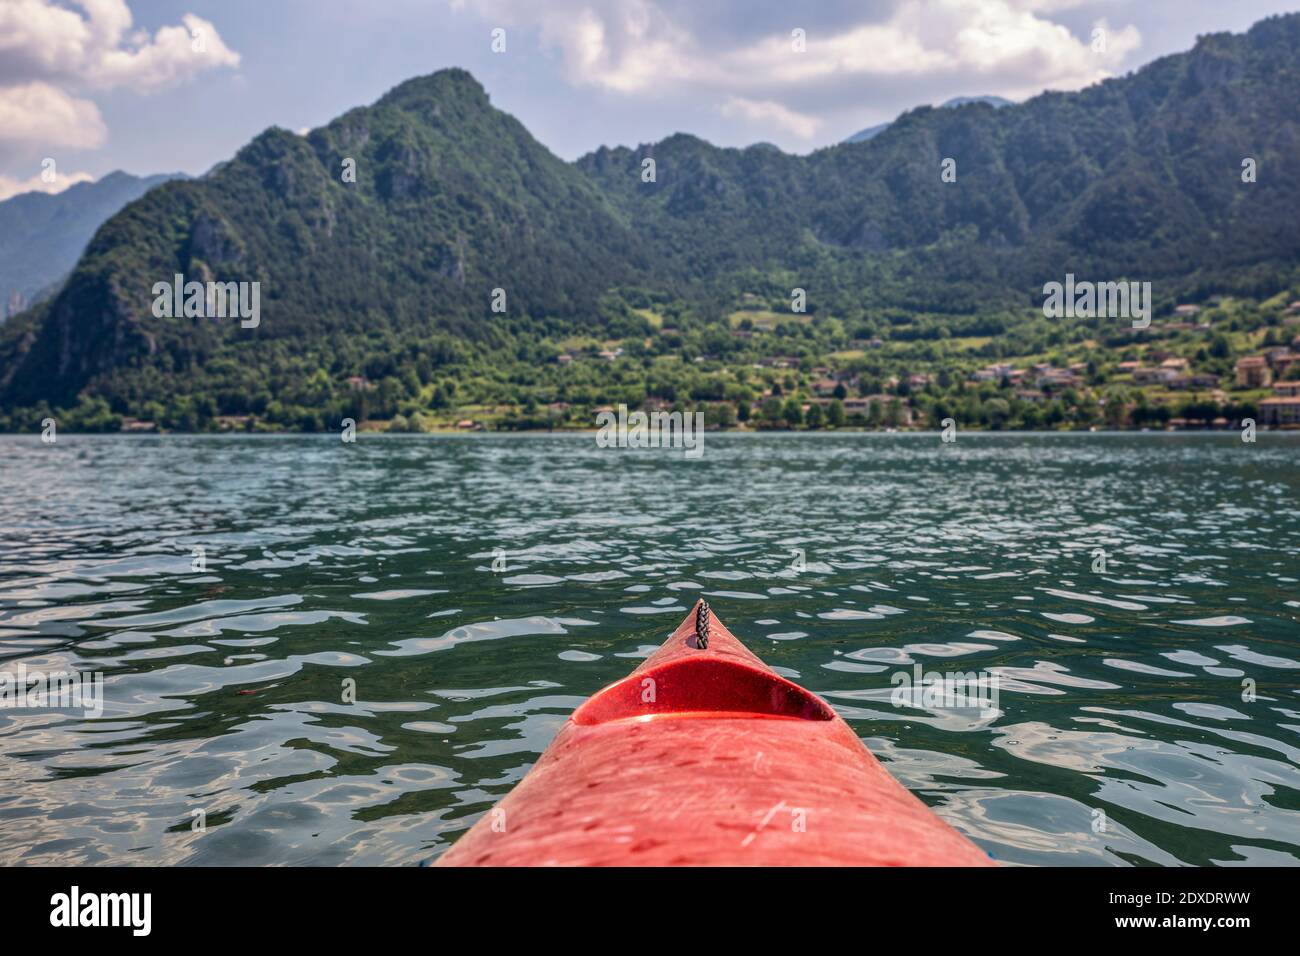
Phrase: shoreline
(845, 430)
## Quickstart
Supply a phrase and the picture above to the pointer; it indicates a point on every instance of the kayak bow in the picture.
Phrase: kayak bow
(705, 756)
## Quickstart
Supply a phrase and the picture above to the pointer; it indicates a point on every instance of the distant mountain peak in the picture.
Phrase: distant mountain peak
(997, 102)
(452, 82)
(43, 234)
(994, 101)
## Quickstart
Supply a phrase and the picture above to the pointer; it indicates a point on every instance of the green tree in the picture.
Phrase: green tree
(792, 413)
(835, 413)
(996, 412)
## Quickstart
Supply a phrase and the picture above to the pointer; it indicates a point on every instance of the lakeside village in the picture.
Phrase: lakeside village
(1201, 367)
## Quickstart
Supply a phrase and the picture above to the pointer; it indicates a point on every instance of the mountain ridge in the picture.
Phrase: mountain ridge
(42, 235)
(392, 277)
(871, 132)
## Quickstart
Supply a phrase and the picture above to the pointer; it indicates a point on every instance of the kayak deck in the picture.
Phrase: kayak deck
(705, 756)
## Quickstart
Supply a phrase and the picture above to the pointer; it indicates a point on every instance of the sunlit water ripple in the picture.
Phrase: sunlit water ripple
(1123, 732)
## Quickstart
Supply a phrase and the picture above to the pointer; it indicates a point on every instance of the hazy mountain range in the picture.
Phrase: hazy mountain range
(873, 131)
(1139, 177)
(42, 236)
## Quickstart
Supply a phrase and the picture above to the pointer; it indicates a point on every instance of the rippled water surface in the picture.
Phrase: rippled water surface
(1125, 732)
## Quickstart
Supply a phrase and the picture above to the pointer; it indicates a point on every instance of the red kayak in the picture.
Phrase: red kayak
(703, 756)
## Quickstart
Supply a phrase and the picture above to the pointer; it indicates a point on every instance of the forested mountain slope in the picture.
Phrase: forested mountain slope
(392, 276)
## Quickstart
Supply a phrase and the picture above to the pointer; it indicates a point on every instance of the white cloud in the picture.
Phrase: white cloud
(175, 54)
(768, 112)
(41, 116)
(928, 49)
(40, 40)
(10, 186)
(52, 56)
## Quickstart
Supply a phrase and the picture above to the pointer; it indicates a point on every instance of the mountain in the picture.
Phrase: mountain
(42, 235)
(452, 200)
(1138, 176)
(390, 278)
(872, 131)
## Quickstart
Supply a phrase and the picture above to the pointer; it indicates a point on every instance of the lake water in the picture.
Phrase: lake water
(1147, 714)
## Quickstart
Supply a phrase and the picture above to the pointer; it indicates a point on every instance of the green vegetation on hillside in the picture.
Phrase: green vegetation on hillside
(816, 373)
(376, 295)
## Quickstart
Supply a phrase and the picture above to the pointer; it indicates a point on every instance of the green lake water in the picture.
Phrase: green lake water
(476, 589)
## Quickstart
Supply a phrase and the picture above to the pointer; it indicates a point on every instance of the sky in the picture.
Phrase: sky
(148, 86)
